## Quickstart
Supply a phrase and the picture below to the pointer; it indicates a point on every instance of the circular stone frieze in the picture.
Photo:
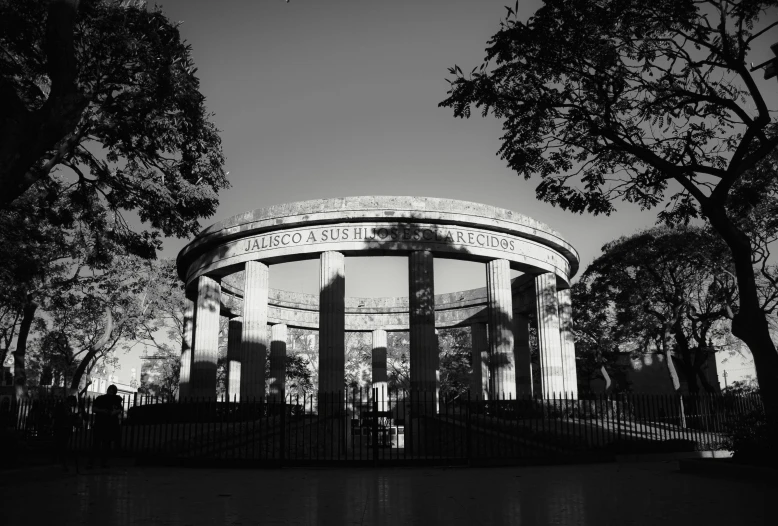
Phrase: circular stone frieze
(377, 226)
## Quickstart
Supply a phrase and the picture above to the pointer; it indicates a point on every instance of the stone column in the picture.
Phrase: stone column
(500, 311)
(233, 359)
(278, 362)
(567, 341)
(424, 342)
(551, 383)
(206, 338)
(522, 354)
(379, 367)
(254, 344)
(479, 380)
(186, 351)
(332, 323)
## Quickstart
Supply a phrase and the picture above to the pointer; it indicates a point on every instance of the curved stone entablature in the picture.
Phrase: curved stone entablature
(377, 226)
(301, 311)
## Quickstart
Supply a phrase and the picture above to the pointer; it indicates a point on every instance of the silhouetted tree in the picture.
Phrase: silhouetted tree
(630, 99)
(668, 286)
(107, 91)
(101, 115)
(597, 338)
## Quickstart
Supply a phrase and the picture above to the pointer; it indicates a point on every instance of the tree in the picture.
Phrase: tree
(753, 202)
(455, 362)
(160, 376)
(669, 287)
(597, 338)
(101, 116)
(398, 365)
(359, 350)
(299, 381)
(302, 348)
(102, 108)
(36, 257)
(632, 99)
(161, 329)
(92, 318)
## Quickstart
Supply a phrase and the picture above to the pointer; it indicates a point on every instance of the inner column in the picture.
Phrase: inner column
(254, 342)
(479, 380)
(501, 361)
(379, 367)
(278, 362)
(332, 323)
(206, 338)
(186, 350)
(233, 359)
(551, 379)
(567, 341)
(424, 342)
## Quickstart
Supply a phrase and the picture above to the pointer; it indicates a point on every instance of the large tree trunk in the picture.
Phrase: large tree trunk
(93, 350)
(20, 372)
(26, 137)
(672, 371)
(700, 360)
(607, 378)
(685, 355)
(750, 322)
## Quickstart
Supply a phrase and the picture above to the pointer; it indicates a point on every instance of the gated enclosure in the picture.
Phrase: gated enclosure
(369, 427)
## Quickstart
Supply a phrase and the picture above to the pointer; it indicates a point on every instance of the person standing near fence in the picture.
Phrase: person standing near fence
(66, 418)
(108, 410)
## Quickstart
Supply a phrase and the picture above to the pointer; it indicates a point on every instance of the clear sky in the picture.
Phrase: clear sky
(329, 98)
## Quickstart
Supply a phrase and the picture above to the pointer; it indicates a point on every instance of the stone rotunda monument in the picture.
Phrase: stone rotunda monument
(420, 228)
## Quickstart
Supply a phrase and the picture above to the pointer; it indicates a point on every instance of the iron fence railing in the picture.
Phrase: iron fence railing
(399, 427)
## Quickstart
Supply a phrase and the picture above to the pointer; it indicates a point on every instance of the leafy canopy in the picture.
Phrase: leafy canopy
(101, 105)
(612, 99)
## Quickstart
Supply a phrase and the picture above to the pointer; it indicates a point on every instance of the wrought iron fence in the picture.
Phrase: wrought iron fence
(368, 426)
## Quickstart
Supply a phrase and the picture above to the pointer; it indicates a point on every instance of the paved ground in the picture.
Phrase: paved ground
(598, 495)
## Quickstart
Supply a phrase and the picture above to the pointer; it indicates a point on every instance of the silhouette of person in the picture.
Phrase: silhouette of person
(66, 418)
(107, 409)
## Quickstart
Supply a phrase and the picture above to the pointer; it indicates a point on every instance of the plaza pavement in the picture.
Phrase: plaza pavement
(597, 494)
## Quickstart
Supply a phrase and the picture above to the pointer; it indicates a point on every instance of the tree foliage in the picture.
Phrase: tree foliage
(160, 330)
(99, 312)
(398, 364)
(455, 362)
(664, 289)
(36, 256)
(647, 101)
(753, 203)
(598, 339)
(101, 107)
